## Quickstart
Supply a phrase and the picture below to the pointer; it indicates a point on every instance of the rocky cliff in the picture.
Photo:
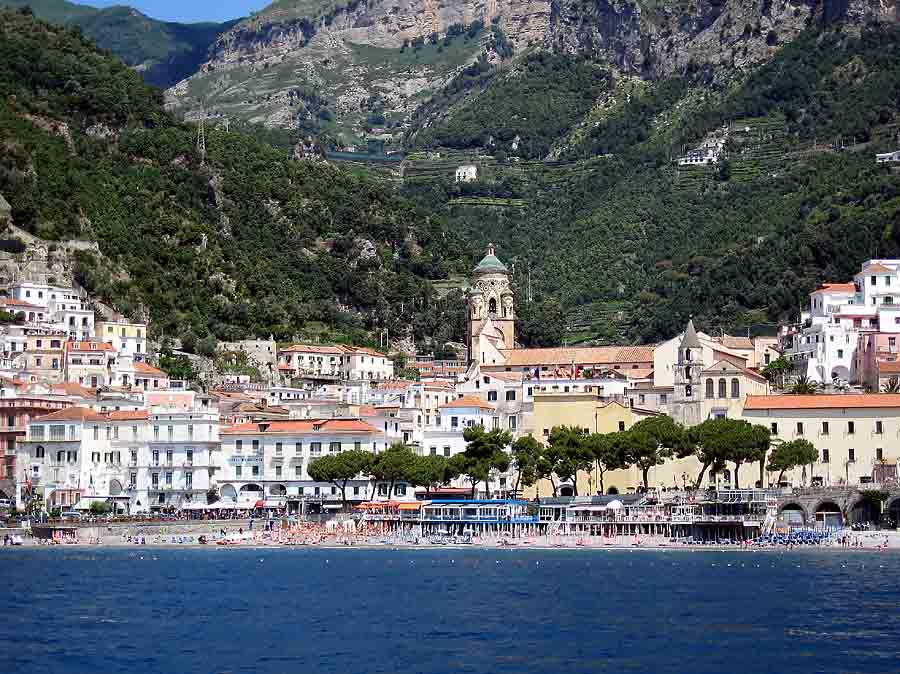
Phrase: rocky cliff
(379, 59)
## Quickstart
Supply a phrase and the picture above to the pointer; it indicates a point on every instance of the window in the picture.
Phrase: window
(170, 431)
(298, 471)
(134, 457)
(840, 353)
(155, 457)
(188, 480)
(447, 452)
(356, 491)
(710, 388)
(382, 489)
(57, 432)
(189, 456)
(315, 448)
(154, 480)
(237, 471)
(492, 396)
(279, 449)
(851, 428)
(156, 435)
(133, 479)
(879, 428)
(879, 454)
(96, 432)
(621, 426)
(510, 396)
(513, 423)
(39, 453)
(663, 398)
(723, 388)
(825, 457)
(238, 445)
(432, 451)
(454, 422)
(190, 431)
(169, 479)
(115, 432)
(169, 456)
(256, 445)
(774, 428)
(851, 455)
(357, 446)
(254, 470)
(399, 490)
(735, 388)
(278, 471)
(799, 428)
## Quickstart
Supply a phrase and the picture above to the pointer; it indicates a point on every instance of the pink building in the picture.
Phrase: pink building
(877, 358)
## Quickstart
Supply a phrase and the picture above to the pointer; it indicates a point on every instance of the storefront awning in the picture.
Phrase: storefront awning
(412, 506)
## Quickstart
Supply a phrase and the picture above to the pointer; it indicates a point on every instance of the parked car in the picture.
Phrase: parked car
(71, 515)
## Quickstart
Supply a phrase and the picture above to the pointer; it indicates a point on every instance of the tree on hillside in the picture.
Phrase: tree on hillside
(395, 464)
(485, 452)
(790, 455)
(338, 469)
(526, 455)
(608, 455)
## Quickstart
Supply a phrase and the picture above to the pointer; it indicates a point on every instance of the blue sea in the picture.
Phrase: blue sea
(186, 611)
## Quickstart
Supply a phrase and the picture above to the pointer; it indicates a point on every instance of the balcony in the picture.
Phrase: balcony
(188, 464)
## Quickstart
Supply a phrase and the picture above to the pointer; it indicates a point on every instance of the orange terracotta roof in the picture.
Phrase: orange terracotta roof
(876, 268)
(12, 302)
(367, 411)
(579, 355)
(312, 348)
(505, 376)
(89, 346)
(835, 288)
(467, 401)
(824, 401)
(753, 374)
(640, 373)
(71, 389)
(889, 367)
(734, 342)
(70, 414)
(394, 385)
(127, 415)
(144, 368)
(304, 426)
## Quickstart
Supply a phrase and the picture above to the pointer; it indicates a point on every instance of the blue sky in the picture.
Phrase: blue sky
(187, 10)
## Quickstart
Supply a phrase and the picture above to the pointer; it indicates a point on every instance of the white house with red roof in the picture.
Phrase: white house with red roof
(139, 375)
(268, 462)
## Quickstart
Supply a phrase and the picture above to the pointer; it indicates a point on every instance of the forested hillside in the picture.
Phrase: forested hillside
(164, 52)
(602, 220)
(246, 243)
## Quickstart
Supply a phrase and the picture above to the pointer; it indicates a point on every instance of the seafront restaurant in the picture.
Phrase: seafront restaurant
(705, 516)
(452, 517)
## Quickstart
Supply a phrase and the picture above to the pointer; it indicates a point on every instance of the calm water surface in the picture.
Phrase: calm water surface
(473, 611)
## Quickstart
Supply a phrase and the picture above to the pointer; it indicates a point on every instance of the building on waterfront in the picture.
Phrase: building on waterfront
(853, 433)
(270, 460)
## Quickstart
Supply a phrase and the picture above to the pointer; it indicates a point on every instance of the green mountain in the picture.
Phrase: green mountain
(164, 52)
(246, 242)
(583, 190)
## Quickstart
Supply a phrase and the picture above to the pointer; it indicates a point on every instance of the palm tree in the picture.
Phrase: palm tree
(804, 386)
(893, 386)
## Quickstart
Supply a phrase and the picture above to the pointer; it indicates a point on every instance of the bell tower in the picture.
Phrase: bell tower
(491, 308)
(687, 407)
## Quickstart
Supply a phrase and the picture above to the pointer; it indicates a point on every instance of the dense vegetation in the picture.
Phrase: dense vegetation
(629, 246)
(167, 52)
(245, 243)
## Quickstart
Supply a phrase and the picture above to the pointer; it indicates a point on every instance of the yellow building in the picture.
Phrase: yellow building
(591, 412)
(127, 337)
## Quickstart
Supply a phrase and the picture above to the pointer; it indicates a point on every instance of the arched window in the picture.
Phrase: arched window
(39, 452)
(735, 388)
(687, 355)
(492, 305)
(710, 389)
(723, 388)
(60, 457)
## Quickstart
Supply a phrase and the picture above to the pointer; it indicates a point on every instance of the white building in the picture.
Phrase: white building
(41, 295)
(824, 345)
(311, 360)
(361, 364)
(270, 460)
(467, 173)
(888, 157)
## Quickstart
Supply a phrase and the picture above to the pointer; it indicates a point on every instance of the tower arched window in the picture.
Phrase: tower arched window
(710, 389)
(723, 388)
(492, 305)
(735, 388)
(688, 356)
